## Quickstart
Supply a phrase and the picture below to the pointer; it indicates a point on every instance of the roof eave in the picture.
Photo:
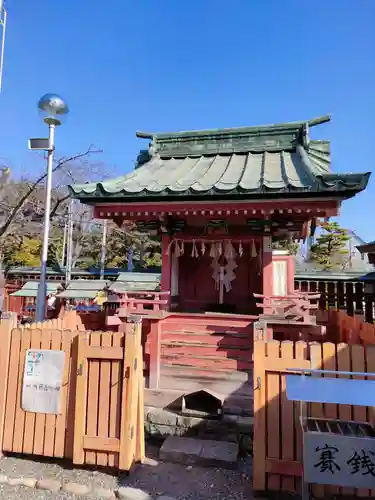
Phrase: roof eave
(334, 187)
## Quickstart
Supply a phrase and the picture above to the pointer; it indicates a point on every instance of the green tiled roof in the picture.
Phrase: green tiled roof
(83, 289)
(142, 282)
(30, 289)
(252, 161)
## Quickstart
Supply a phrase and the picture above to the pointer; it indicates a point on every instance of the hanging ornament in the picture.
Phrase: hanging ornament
(240, 249)
(213, 251)
(177, 252)
(194, 251)
(219, 248)
(182, 248)
(216, 271)
(203, 248)
(229, 251)
(229, 275)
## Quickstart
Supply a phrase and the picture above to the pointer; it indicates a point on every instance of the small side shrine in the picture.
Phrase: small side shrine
(23, 301)
(217, 199)
(85, 295)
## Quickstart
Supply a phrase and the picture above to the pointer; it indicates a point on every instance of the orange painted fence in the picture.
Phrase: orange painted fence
(344, 328)
(101, 422)
(277, 445)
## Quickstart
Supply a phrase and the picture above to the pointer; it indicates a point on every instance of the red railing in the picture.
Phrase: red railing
(296, 306)
(144, 303)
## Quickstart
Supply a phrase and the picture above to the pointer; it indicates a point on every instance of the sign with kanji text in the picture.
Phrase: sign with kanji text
(340, 460)
(42, 381)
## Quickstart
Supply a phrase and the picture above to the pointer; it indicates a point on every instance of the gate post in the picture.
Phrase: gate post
(6, 327)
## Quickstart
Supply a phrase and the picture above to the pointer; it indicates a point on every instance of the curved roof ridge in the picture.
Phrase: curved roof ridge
(224, 131)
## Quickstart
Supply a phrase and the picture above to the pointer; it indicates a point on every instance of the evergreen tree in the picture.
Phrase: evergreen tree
(330, 249)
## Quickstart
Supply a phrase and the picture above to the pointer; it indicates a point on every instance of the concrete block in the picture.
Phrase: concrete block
(180, 449)
(201, 451)
(221, 453)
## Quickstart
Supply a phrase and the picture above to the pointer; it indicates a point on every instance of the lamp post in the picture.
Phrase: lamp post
(53, 107)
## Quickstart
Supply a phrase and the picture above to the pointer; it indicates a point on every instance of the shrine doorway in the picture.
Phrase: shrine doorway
(218, 282)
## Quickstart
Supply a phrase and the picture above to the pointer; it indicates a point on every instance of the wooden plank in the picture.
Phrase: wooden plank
(359, 412)
(130, 398)
(61, 420)
(10, 410)
(6, 327)
(101, 444)
(370, 364)
(202, 350)
(74, 369)
(81, 401)
(345, 411)
(205, 362)
(19, 420)
(273, 411)
(28, 442)
(92, 398)
(116, 393)
(104, 393)
(97, 352)
(301, 353)
(330, 410)
(288, 424)
(203, 340)
(50, 428)
(279, 365)
(140, 442)
(40, 418)
(260, 432)
(288, 468)
(317, 410)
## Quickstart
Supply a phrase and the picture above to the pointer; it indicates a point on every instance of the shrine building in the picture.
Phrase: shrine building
(218, 198)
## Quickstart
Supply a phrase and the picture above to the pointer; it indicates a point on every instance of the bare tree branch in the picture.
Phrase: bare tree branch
(31, 187)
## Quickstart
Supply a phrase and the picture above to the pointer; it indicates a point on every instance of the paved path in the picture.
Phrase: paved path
(155, 478)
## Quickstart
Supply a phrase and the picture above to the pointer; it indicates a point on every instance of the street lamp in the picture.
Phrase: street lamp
(53, 108)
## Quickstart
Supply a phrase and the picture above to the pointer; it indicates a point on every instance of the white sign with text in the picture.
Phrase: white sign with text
(42, 381)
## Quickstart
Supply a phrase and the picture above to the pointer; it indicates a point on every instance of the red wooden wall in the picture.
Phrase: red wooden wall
(197, 289)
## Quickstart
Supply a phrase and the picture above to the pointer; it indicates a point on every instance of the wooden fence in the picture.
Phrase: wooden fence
(277, 446)
(344, 328)
(101, 422)
(354, 297)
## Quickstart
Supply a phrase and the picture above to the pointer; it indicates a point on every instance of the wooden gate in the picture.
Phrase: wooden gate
(109, 427)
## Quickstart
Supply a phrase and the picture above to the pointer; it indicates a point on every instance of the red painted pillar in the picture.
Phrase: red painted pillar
(165, 284)
(267, 268)
(155, 353)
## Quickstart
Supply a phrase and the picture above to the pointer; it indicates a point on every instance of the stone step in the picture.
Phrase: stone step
(218, 342)
(213, 332)
(205, 374)
(206, 362)
(199, 451)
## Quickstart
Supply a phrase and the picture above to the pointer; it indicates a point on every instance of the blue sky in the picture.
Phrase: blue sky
(160, 65)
